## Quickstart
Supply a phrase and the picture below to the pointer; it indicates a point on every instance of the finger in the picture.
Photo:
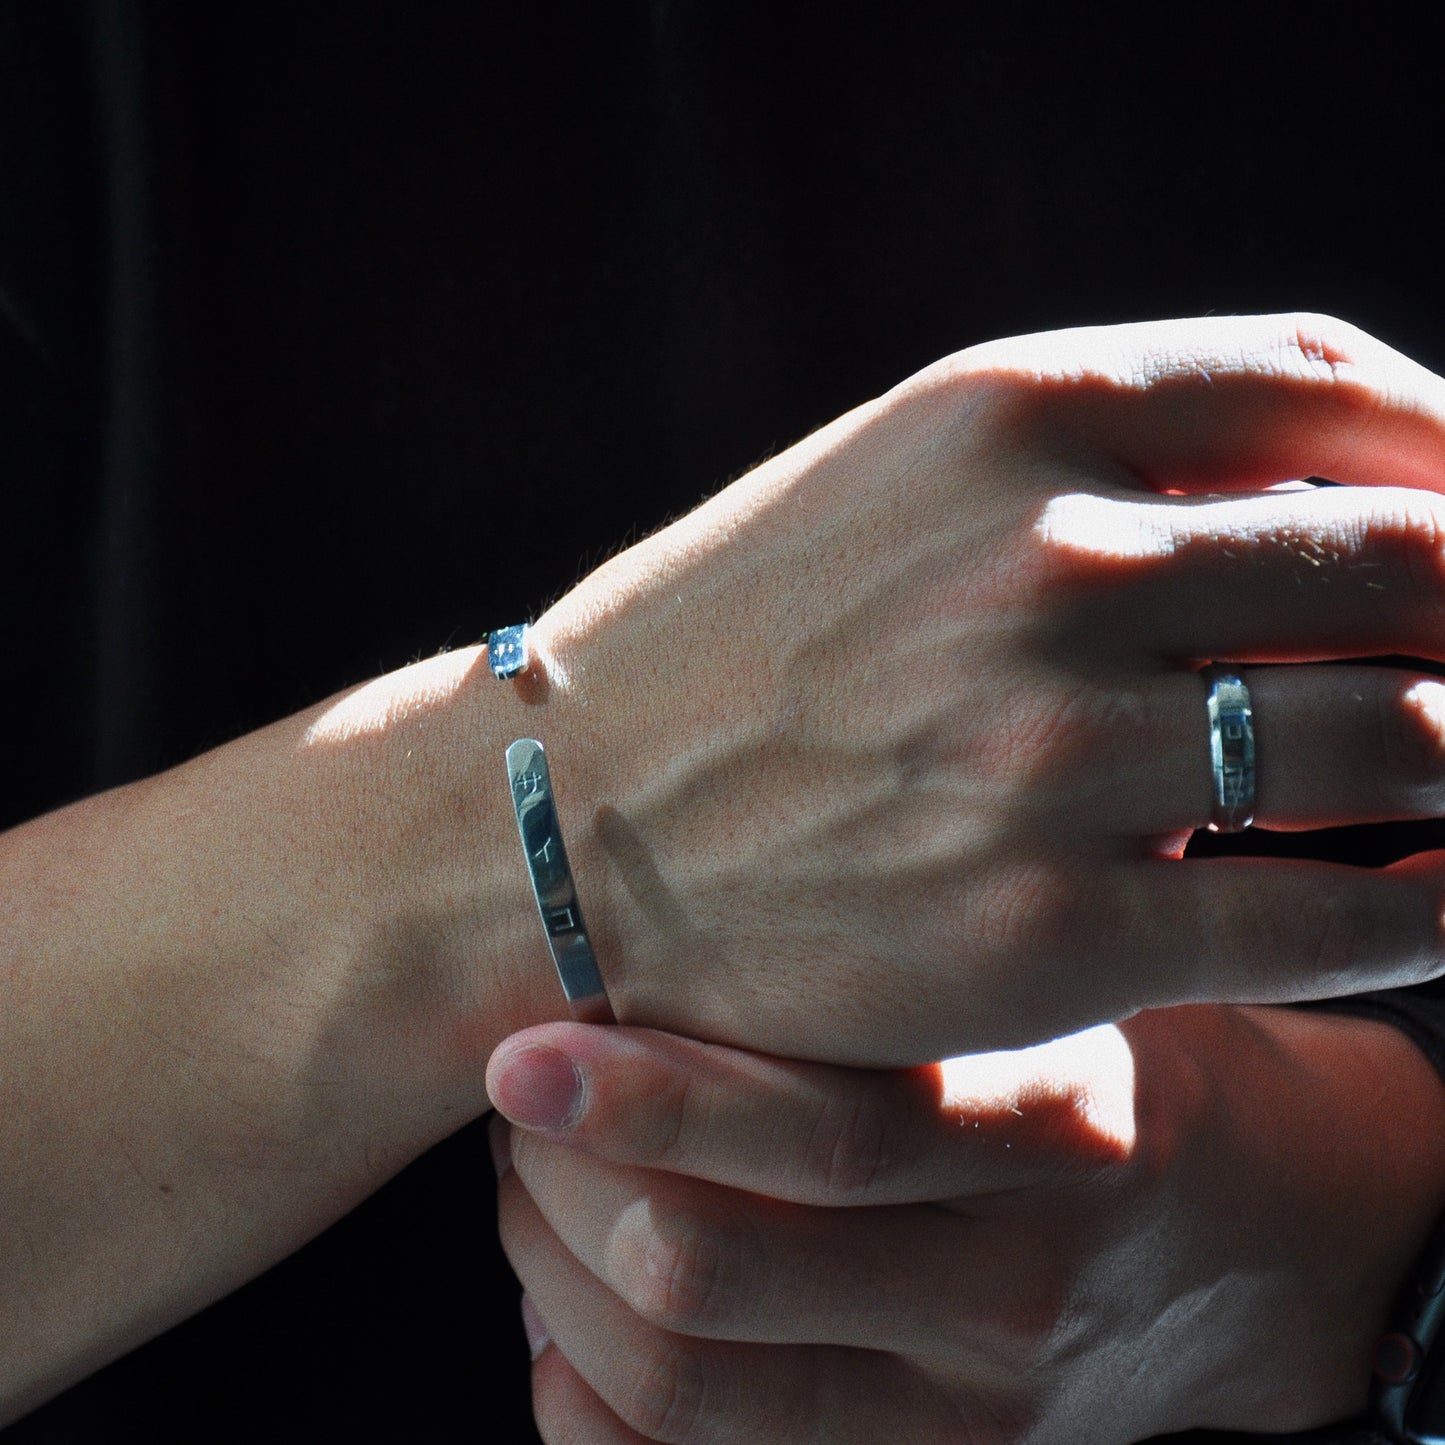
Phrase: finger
(1223, 402)
(699, 1260)
(1325, 573)
(670, 1388)
(1339, 745)
(808, 1132)
(1273, 931)
(569, 1411)
(1105, 942)
(1333, 746)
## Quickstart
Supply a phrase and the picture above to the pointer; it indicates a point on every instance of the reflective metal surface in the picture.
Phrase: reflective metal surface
(552, 883)
(1231, 752)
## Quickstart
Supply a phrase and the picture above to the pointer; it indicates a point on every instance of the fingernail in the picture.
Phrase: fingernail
(539, 1088)
(537, 1337)
(499, 1139)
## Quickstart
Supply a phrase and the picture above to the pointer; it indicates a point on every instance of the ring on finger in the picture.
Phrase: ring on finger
(1231, 751)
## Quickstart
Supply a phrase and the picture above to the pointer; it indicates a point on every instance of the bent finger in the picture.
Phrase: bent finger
(1214, 403)
(1105, 942)
(699, 1260)
(682, 1391)
(569, 1411)
(1329, 572)
(1256, 930)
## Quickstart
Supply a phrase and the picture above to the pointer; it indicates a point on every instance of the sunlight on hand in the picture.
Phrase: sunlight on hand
(1092, 1071)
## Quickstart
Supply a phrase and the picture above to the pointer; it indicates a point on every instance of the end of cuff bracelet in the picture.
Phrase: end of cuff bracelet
(507, 652)
(552, 883)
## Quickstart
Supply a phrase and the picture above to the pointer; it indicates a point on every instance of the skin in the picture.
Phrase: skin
(912, 701)
(1195, 1219)
(946, 720)
(240, 996)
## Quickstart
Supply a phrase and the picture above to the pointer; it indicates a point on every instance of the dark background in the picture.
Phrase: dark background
(334, 334)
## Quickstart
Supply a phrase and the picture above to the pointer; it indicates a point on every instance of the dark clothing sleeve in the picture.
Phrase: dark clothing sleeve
(1418, 1012)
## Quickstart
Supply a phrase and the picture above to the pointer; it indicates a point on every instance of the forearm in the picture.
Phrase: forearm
(237, 997)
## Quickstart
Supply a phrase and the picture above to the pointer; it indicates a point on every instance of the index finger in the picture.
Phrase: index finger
(1229, 402)
(815, 1134)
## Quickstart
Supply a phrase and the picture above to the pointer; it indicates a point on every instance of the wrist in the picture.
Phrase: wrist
(441, 953)
(666, 785)
(346, 891)
(244, 993)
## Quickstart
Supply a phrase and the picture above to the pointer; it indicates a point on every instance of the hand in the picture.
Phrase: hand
(916, 701)
(906, 713)
(1197, 1219)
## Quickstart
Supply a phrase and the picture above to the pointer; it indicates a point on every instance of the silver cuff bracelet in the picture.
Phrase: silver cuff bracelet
(553, 885)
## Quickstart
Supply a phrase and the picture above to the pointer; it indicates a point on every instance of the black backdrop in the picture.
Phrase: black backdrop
(334, 333)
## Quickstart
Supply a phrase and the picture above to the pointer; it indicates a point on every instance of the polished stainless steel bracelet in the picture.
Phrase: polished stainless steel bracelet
(553, 885)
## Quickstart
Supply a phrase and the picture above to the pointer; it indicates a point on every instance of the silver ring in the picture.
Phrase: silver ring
(552, 883)
(1231, 751)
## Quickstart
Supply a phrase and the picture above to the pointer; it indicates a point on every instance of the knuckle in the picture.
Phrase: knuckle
(1415, 522)
(1048, 1321)
(1033, 1324)
(1411, 744)
(1323, 347)
(562, 1418)
(1416, 906)
(1003, 387)
(1046, 920)
(1342, 934)
(1056, 738)
(1043, 909)
(1079, 534)
(1365, 374)
(1035, 1321)
(664, 1395)
(988, 372)
(669, 1109)
(856, 1141)
(683, 1271)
